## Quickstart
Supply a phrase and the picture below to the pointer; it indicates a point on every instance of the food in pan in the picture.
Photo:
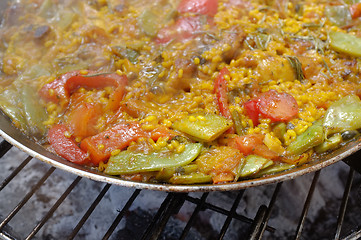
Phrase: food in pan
(183, 91)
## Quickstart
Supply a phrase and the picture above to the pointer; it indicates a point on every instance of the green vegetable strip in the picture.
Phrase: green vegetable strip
(345, 43)
(129, 162)
(312, 137)
(206, 129)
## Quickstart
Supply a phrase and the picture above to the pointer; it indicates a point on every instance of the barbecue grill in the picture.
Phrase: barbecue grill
(38, 201)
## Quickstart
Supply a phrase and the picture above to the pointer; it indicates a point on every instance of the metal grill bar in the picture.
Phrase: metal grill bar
(354, 236)
(257, 224)
(225, 212)
(89, 211)
(52, 210)
(15, 172)
(4, 148)
(259, 233)
(345, 197)
(26, 198)
(194, 214)
(307, 205)
(230, 215)
(121, 214)
(169, 207)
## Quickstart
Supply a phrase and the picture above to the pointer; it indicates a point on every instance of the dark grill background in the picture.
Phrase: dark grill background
(38, 201)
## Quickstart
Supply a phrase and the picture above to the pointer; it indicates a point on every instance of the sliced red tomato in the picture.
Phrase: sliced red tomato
(65, 146)
(61, 88)
(206, 7)
(252, 144)
(183, 29)
(119, 137)
(83, 118)
(273, 105)
(161, 131)
(355, 10)
(278, 106)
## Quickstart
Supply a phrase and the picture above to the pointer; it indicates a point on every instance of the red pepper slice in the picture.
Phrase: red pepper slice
(65, 146)
(220, 89)
(60, 89)
(206, 7)
(119, 137)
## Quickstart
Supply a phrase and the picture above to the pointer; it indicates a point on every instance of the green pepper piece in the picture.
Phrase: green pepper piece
(148, 21)
(279, 167)
(192, 178)
(130, 162)
(254, 164)
(312, 137)
(343, 115)
(166, 173)
(329, 144)
(203, 127)
(345, 43)
(34, 113)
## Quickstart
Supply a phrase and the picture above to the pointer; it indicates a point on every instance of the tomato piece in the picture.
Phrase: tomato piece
(277, 106)
(60, 89)
(252, 110)
(247, 144)
(355, 10)
(183, 29)
(206, 7)
(83, 118)
(64, 146)
(119, 137)
(161, 131)
(273, 105)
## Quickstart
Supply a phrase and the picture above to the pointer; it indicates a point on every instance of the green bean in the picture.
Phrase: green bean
(343, 115)
(312, 137)
(329, 144)
(130, 162)
(254, 164)
(203, 127)
(192, 178)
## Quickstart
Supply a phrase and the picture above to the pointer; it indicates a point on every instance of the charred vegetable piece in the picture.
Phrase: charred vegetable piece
(203, 127)
(34, 113)
(329, 144)
(345, 43)
(130, 162)
(166, 173)
(343, 115)
(254, 164)
(312, 137)
(192, 178)
(65, 146)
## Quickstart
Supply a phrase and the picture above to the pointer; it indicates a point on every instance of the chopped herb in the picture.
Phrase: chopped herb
(297, 66)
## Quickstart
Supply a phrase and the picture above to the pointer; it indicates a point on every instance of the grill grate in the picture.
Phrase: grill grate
(237, 214)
